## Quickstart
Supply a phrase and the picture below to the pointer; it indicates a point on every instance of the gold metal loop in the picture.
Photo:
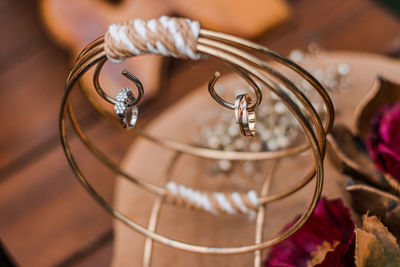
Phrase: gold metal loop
(282, 79)
(209, 35)
(127, 74)
(252, 105)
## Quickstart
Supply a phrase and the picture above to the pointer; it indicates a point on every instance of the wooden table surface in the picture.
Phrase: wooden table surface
(46, 218)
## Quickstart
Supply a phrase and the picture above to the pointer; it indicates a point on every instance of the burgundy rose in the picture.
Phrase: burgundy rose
(383, 141)
(329, 229)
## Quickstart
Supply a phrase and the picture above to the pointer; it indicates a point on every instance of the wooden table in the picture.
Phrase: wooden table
(46, 218)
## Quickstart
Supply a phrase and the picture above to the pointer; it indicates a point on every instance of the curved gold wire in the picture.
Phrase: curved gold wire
(248, 45)
(201, 152)
(93, 56)
(253, 104)
(127, 74)
(286, 99)
(208, 154)
(155, 189)
(262, 210)
(230, 155)
(157, 205)
(215, 154)
(91, 46)
(155, 213)
(288, 84)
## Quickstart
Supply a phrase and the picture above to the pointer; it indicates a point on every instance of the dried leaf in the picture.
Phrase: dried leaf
(349, 155)
(393, 183)
(375, 245)
(392, 221)
(383, 92)
(318, 255)
(369, 199)
(368, 250)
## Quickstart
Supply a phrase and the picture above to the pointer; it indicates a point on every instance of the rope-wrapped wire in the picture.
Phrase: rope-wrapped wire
(168, 36)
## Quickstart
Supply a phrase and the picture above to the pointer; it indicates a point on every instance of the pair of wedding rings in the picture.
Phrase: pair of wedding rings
(243, 106)
(245, 117)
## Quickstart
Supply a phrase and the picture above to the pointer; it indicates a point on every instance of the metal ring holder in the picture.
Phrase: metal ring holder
(235, 52)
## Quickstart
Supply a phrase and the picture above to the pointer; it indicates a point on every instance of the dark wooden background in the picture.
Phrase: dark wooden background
(46, 218)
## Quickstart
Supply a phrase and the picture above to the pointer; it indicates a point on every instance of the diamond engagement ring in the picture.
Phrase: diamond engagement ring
(127, 114)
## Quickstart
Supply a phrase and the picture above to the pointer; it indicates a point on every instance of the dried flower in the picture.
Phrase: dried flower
(372, 179)
(383, 141)
(327, 239)
(375, 245)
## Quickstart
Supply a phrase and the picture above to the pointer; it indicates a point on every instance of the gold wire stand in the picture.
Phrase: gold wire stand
(231, 50)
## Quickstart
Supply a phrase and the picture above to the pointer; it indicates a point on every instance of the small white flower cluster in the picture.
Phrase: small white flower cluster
(335, 78)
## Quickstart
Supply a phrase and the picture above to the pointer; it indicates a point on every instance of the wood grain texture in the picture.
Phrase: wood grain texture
(45, 215)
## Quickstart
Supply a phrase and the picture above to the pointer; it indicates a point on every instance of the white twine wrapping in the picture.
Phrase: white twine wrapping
(215, 202)
(166, 36)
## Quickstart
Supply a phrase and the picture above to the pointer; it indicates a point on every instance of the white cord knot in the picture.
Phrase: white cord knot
(213, 202)
(166, 36)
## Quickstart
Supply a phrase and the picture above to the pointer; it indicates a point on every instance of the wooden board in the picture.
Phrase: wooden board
(38, 207)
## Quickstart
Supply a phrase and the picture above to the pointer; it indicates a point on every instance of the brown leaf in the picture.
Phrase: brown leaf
(368, 250)
(383, 92)
(319, 254)
(366, 198)
(393, 183)
(347, 155)
(392, 220)
(375, 245)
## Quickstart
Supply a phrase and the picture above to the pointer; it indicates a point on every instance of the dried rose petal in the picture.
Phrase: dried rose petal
(330, 222)
(383, 141)
(341, 256)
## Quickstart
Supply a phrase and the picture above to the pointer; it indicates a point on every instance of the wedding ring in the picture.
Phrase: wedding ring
(245, 118)
(127, 114)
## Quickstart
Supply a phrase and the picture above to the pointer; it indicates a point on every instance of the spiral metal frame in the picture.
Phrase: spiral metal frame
(229, 49)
